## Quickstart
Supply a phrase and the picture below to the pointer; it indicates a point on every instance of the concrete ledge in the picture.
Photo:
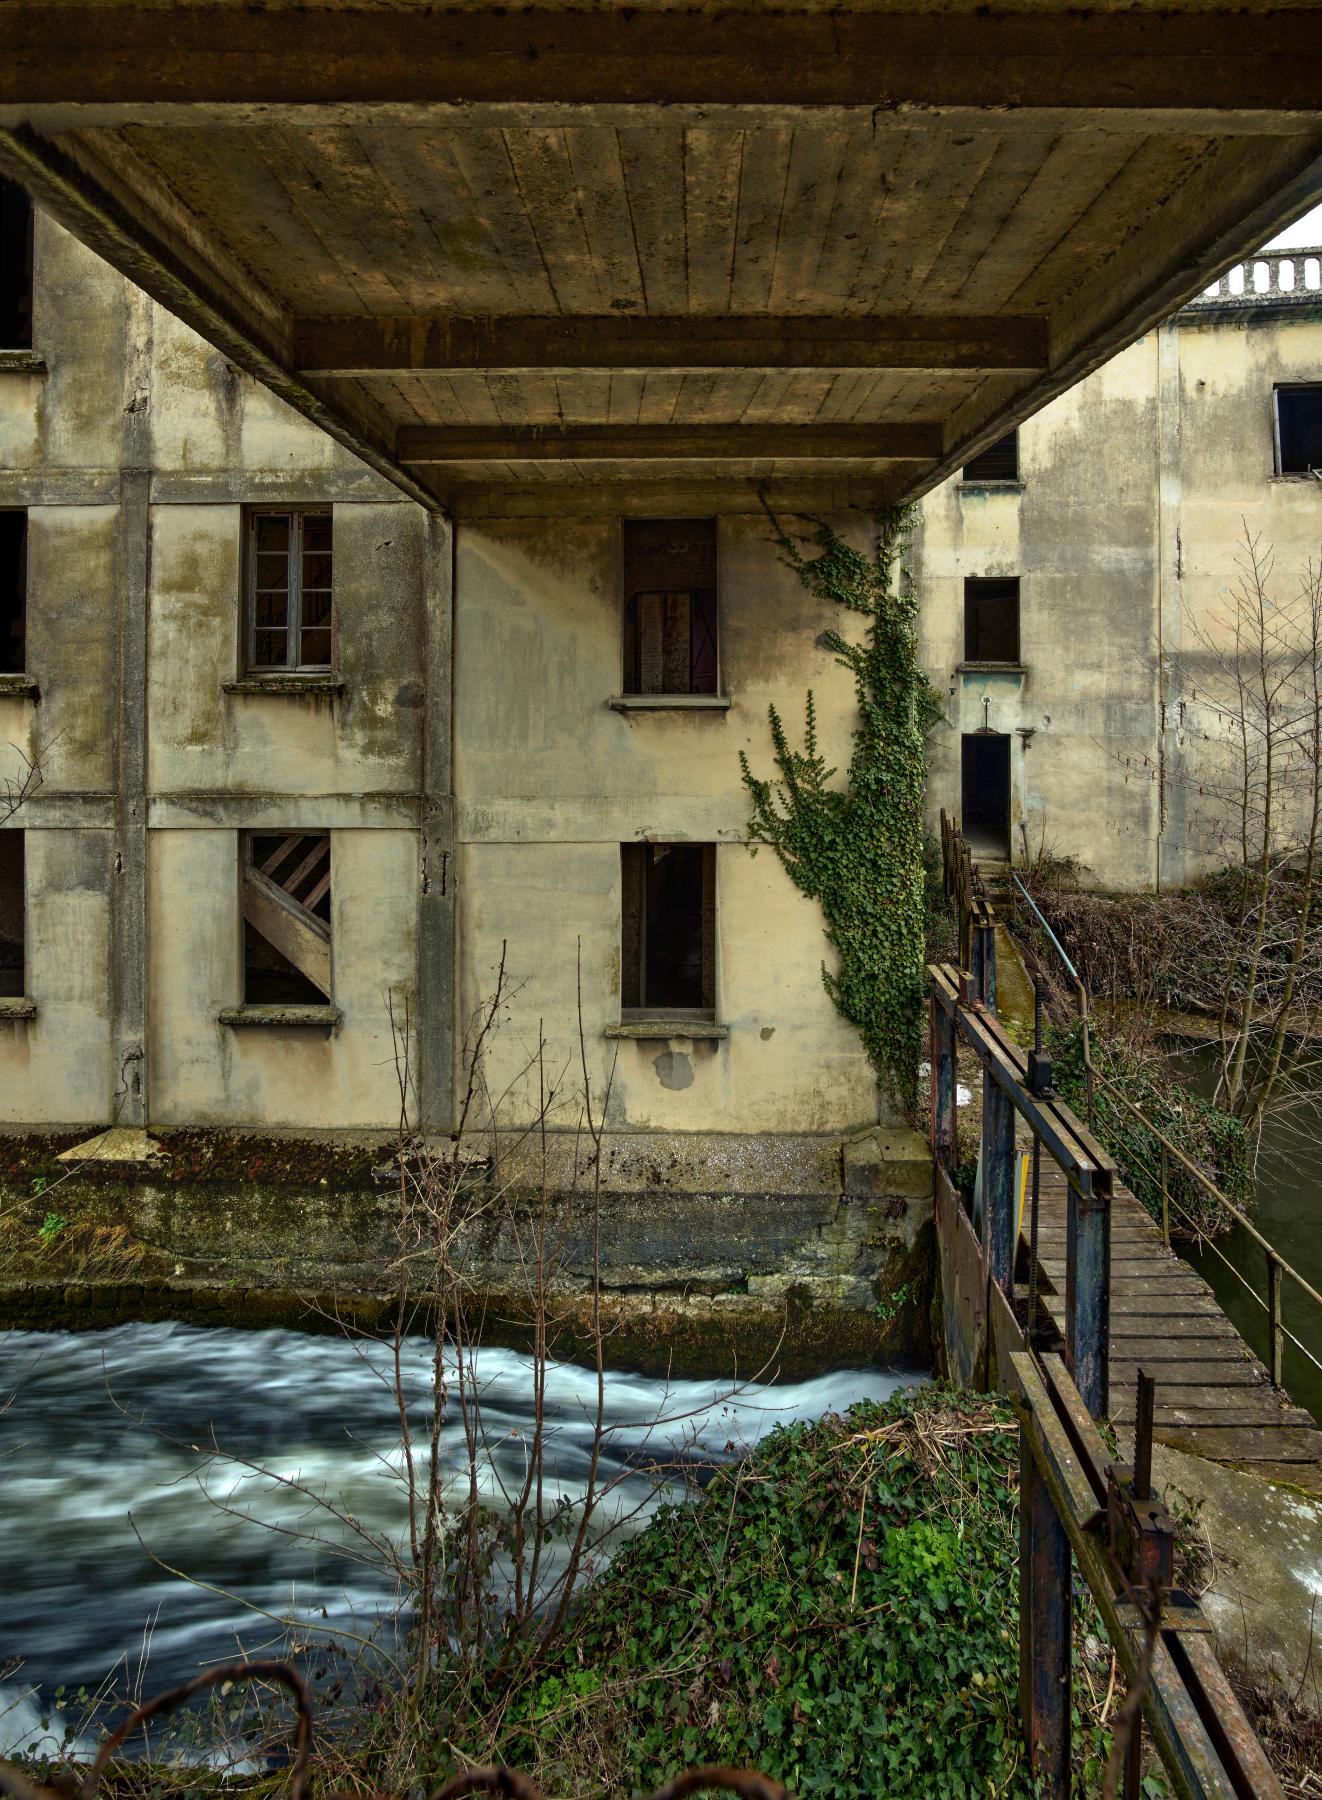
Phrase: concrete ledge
(891, 1160)
(17, 1006)
(624, 703)
(674, 1027)
(292, 683)
(319, 1017)
(22, 362)
(19, 687)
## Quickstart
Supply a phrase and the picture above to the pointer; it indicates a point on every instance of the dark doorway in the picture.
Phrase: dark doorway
(985, 807)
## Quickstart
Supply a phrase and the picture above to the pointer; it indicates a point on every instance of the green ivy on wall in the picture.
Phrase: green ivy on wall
(858, 849)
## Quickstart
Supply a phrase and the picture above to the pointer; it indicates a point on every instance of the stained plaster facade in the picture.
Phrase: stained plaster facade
(1124, 529)
(135, 449)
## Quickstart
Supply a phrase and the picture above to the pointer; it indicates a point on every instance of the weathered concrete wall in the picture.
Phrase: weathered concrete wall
(550, 782)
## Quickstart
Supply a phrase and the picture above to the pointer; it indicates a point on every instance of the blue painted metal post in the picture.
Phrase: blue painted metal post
(1045, 1628)
(941, 1050)
(984, 940)
(999, 1225)
(1088, 1287)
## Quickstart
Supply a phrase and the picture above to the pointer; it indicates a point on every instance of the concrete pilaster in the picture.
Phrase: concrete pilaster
(436, 935)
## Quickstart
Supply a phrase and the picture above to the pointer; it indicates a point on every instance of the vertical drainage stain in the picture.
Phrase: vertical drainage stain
(674, 1070)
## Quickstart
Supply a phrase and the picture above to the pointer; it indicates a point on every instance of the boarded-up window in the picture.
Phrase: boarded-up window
(991, 619)
(15, 268)
(12, 912)
(998, 462)
(1298, 429)
(289, 590)
(668, 928)
(670, 606)
(286, 901)
(13, 592)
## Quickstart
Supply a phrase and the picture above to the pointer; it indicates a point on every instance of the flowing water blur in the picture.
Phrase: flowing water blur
(106, 1443)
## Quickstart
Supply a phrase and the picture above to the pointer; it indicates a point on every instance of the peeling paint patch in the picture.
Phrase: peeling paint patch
(674, 1069)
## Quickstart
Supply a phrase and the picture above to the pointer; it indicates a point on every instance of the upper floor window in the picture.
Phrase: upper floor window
(1299, 428)
(289, 608)
(15, 267)
(13, 592)
(991, 619)
(998, 462)
(670, 606)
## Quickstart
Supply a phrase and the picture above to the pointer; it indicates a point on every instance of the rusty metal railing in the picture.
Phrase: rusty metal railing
(977, 921)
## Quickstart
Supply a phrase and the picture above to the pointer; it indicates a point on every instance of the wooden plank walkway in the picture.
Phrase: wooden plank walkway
(1214, 1398)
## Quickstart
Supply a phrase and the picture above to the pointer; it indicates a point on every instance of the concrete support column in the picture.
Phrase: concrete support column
(436, 935)
(1169, 808)
(128, 894)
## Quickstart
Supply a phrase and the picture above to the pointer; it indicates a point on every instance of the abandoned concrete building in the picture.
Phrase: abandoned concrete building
(391, 591)
(1066, 571)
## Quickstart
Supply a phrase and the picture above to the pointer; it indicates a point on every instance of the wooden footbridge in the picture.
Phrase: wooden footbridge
(1077, 1308)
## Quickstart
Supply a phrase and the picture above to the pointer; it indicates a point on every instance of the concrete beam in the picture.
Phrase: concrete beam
(1191, 63)
(625, 343)
(903, 441)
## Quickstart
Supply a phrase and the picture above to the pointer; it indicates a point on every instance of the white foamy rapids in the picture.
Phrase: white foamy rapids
(110, 1439)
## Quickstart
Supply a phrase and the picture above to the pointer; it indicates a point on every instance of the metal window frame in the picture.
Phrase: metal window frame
(25, 944)
(650, 1009)
(1279, 388)
(969, 656)
(22, 578)
(296, 515)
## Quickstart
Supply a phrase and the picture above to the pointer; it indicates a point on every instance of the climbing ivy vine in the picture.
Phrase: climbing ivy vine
(858, 849)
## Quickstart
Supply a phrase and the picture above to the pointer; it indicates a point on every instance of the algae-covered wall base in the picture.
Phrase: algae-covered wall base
(790, 1254)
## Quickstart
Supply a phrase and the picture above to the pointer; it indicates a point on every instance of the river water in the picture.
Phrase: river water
(105, 1463)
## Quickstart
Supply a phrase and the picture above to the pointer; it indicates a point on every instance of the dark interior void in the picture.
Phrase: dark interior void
(1299, 428)
(668, 927)
(985, 790)
(269, 978)
(15, 268)
(991, 619)
(11, 913)
(13, 592)
(998, 462)
(670, 606)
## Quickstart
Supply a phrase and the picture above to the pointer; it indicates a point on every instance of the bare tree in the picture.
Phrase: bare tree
(1256, 679)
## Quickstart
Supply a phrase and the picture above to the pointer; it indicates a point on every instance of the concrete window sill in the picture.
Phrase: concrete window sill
(669, 1025)
(669, 703)
(989, 487)
(22, 362)
(17, 1006)
(1299, 475)
(991, 668)
(19, 687)
(321, 1018)
(292, 683)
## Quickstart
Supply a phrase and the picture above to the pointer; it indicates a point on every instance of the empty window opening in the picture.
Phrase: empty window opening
(998, 462)
(289, 591)
(13, 592)
(286, 918)
(1298, 429)
(12, 914)
(15, 268)
(991, 619)
(985, 797)
(670, 606)
(669, 928)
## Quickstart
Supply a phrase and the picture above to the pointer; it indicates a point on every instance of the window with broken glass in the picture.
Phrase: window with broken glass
(15, 267)
(670, 606)
(12, 913)
(668, 930)
(1299, 428)
(991, 619)
(290, 611)
(286, 905)
(13, 591)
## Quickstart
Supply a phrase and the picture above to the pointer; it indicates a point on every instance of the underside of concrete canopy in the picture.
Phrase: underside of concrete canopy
(647, 252)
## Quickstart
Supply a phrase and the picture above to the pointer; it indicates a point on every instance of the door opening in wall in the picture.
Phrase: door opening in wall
(13, 592)
(668, 929)
(985, 792)
(12, 914)
(286, 898)
(15, 267)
